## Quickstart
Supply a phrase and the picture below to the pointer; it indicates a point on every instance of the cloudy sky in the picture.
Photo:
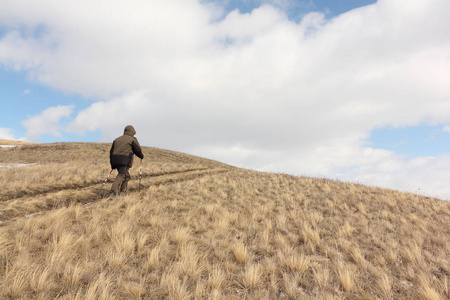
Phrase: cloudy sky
(355, 90)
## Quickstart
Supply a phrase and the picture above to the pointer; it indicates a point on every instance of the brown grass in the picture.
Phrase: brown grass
(14, 143)
(204, 230)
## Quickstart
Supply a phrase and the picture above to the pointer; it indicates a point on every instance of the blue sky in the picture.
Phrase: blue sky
(354, 89)
(297, 9)
(413, 141)
(21, 98)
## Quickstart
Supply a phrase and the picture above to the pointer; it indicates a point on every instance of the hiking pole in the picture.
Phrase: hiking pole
(140, 176)
(104, 182)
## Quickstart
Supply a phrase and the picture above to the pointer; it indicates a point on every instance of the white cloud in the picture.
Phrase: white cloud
(6, 134)
(115, 114)
(251, 89)
(48, 122)
(424, 175)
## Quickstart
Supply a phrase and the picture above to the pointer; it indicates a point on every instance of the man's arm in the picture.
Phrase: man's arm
(111, 153)
(137, 149)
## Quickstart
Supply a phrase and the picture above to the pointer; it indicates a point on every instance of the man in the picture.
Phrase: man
(121, 158)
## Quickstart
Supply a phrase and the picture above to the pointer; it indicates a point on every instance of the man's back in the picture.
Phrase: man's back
(124, 147)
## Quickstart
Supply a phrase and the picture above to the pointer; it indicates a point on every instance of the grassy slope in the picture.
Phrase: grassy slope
(202, 229)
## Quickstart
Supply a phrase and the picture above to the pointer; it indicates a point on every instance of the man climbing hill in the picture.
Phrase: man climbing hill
(121, 158)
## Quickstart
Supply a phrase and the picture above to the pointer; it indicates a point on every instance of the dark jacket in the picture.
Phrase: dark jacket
(123, 148)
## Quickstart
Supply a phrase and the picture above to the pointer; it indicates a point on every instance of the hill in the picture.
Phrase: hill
(200, 229)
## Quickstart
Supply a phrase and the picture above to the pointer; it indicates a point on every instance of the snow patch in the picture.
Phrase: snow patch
(8, 146)
(10, 166)
(30, 215)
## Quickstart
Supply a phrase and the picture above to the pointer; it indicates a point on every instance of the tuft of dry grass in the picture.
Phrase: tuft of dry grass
(385, 286)
(240, 252)
(181, 235)
(345, 276)
(217, 277)
(173, 287)
(251, 276)
(310, 235)
(426, 291)
(296, 262)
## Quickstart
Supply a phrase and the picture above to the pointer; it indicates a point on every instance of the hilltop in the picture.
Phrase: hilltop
(15, 143)
(201, 229)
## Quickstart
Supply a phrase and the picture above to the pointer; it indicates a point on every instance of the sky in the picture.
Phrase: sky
(353, 90)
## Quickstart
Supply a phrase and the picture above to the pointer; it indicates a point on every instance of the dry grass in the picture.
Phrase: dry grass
(194, 233)
(345, 276)
(240, 252)
(14, 143)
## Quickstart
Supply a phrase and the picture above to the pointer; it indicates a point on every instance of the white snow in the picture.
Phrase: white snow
(30, 215)
(9, 166)
(8, 146)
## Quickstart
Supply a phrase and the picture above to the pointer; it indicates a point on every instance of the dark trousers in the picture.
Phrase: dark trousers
(121, 182)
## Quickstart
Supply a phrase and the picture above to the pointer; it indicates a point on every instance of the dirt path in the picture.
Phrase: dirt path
(62, 187)
(37, 202)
